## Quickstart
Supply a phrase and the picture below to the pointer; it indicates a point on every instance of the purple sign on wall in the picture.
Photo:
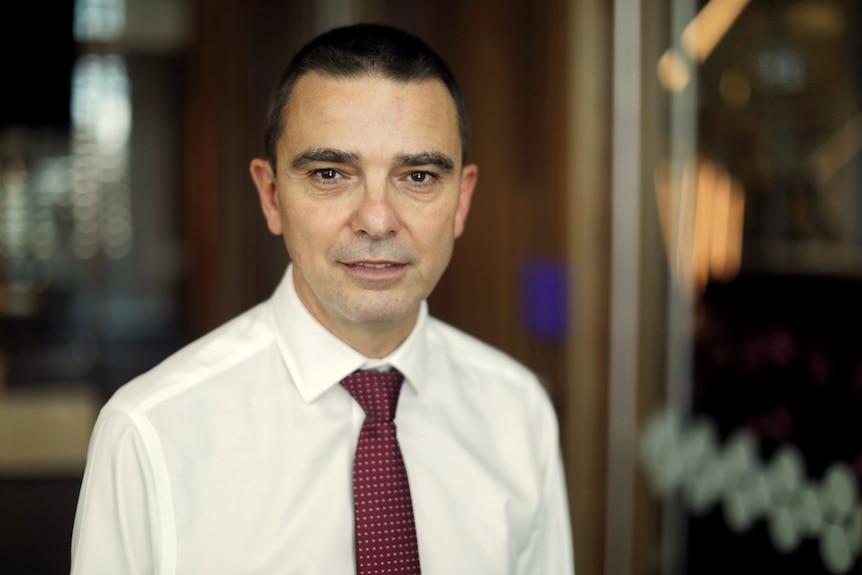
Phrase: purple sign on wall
(544, 309)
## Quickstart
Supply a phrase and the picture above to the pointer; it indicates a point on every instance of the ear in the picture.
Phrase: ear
(468, 183)
(264, 179)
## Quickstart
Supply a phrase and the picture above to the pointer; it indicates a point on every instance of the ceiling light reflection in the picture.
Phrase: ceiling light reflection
(673, 71)
(701, 214)
(710, 25)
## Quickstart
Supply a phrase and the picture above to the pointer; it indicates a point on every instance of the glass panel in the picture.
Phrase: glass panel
(88, 285)
(754, 450)
(91, 252)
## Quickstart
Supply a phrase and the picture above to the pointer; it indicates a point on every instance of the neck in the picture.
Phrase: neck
(372, 341)
(372, 338)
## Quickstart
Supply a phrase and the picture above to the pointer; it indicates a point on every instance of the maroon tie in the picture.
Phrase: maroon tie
(385, 533)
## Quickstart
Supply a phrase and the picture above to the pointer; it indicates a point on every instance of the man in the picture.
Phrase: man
(257, 449)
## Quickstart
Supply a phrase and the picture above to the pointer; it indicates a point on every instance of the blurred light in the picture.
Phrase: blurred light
(834, 153)
(785, 477)
(14, 208)
(853, 527)
(673, 72)
(681, 455)
(709, 26)
(698, 40)
(836, 550)
(807, 513)
(820, 19)
(747, 500)
(728, 212)
(739, 458)
(699, 445)
(786, 473)
(660, 451)
(101, 102)
(838, 490)
(703, 489)
(99, 20)
(101, 197)
(781, 69)
(701, 222)
(30, 186)
(783, 531)
(703, 479)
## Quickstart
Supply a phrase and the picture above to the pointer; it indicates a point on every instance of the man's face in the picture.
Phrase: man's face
(370, 196)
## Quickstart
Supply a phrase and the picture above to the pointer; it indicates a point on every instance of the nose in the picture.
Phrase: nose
(375, 216)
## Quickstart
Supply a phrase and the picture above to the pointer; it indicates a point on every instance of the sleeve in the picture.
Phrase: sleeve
(113, 531)
(550, 551)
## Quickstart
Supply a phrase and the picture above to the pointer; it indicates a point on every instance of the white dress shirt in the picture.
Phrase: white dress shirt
(234, 456)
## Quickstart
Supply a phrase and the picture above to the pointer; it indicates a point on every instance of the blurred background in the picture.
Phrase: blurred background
(667, 228)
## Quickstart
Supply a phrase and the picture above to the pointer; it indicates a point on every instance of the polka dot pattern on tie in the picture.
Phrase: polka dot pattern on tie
(383, 512)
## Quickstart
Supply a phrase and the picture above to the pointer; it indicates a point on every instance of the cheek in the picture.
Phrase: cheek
(298, 235)
(435, 230)
(312, 230)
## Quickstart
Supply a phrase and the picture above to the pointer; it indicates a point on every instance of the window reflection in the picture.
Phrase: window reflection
(99, 20)
(101, 116)
(756, 184)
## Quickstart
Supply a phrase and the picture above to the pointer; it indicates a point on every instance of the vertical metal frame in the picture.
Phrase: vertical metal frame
(625, 281)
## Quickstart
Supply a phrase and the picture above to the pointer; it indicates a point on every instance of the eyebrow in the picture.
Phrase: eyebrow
(442, 161)
(324, 156)
(334, 156)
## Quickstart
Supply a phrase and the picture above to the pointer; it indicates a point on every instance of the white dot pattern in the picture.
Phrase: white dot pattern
(383, 512)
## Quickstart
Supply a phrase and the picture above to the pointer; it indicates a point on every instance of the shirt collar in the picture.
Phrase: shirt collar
(317, 360)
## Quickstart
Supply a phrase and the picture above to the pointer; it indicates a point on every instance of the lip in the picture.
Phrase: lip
(374, 272)
(374, 264)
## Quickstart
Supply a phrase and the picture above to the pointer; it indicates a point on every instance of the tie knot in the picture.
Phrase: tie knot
(376, 392)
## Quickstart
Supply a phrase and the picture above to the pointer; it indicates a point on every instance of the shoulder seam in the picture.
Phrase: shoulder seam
(185, 383)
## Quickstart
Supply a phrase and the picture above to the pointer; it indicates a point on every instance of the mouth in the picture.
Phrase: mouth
(375, 274)
(374, 265)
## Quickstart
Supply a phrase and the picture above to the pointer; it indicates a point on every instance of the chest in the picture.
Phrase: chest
(278, 497)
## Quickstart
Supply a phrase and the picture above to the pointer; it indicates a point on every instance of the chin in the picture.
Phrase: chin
(384, 314)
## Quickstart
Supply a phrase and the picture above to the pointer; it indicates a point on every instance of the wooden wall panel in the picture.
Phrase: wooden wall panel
(238, 50)
(585, 425)
(506, 57)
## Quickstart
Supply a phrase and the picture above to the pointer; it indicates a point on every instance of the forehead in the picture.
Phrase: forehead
(370, 111)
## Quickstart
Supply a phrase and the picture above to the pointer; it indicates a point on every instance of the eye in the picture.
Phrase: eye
(327, 177)
(421, 178)
(326, 174)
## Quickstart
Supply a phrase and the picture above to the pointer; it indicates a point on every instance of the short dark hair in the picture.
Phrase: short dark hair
(359, 50)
